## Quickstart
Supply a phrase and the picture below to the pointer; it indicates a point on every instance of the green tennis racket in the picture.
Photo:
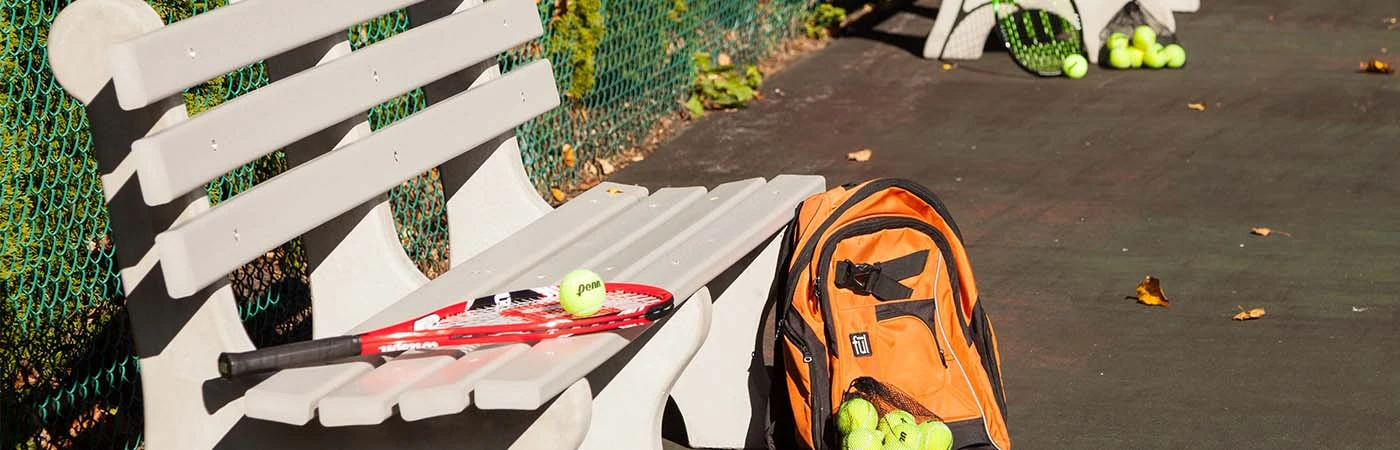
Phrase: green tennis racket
(1039, 40)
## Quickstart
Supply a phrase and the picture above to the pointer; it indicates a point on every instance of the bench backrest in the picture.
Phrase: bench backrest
(156, 161)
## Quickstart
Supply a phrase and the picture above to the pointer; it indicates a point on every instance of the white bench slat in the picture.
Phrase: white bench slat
(556, 369)
(639, 220)
(188, 52)
(370, 398)
(206, 248)
(472, 279)
(284, 397)
(545, 370)
(188, 155)
(687, 267)
(448, 391)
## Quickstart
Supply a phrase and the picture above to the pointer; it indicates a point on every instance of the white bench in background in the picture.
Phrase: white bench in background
(961, 29)
(605, 390)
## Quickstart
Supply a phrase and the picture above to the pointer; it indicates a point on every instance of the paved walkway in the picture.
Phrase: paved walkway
(1069, 192)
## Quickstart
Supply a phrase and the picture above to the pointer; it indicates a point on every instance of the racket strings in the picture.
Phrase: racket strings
(542, 310)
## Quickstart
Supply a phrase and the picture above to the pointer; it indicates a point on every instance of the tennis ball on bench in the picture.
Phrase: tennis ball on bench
(1143, 37)
(1117, 40)
(856, 414)
(936, 436)
(1176, 56)
(1075, 66)
(893, 418)
(581, 293)
(861, 439)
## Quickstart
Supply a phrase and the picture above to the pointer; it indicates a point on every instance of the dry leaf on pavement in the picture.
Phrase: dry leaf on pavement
(1196, 106)
(1261, 231)
(568, 155)
(860, 156)
(1249, 315)
(948, 66)
(558, 194)
(1149, 292)
(1376, 66)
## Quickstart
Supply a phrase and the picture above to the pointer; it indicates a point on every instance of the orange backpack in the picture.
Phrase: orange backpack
(873, 281)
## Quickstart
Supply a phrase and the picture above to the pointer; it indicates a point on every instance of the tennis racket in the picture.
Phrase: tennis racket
(516, 316)
(1037, 39)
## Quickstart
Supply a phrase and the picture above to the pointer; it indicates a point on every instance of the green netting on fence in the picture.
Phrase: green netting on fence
(66, 363)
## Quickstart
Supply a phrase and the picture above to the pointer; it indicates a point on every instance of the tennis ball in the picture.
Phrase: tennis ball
(935, 436)
(861, 439)
(581, 293)
(1117, 40)
(1143, 37)
(1154, 57)
(893, 418)
(1176, 56)
(1135, 56)
(1076, 66)
(856, 413)
(905, 433)
(895, 445)
(1120, 58)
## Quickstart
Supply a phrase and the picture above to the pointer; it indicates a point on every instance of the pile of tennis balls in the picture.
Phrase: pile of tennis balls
(1142, 50)
(862, 428)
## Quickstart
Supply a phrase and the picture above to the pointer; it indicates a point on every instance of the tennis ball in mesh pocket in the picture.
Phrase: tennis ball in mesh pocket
(935, 435)
(1135, 57)
(1154, 57)
(1117, 40)
(861, 439)
(1120, 58)
(906, 433)
(1176, 56)
(1075, 66)
(893, 418)
(581, 293)
(1143, 37)
(856, 413)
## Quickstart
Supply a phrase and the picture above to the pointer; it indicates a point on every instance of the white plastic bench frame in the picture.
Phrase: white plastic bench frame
(961, 28)
(180, 318)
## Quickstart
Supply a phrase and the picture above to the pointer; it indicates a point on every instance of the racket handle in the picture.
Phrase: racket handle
(296, 354)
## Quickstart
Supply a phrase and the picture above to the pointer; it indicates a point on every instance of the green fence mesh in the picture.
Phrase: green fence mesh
(68, 372)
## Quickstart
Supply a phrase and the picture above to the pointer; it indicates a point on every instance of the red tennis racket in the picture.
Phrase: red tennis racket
(517, 316)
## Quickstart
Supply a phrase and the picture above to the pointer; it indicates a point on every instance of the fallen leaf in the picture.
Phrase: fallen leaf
(948, 66)
(860, 156)
(1149, 292)
(724, 59)
(1196, 106)
(1376, 66)
(613, 190)
(1261, 231)
(1358, 309)
(638, 158)
(568, 155)
(558, 194)
(1249, 315)
(606, 166)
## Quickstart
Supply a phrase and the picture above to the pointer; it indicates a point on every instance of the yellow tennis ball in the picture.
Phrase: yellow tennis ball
(861, 439)
(906, 433)
(1135, 57)
(1075, 66)
(581, 293)
(1143, 37)
(1176, 56)
(856, 413)
(1118, 40)
(893, 418)
(1154, 57)
(1120, 58)
(935, 436)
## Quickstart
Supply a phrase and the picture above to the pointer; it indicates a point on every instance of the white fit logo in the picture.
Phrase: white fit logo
(860, 344)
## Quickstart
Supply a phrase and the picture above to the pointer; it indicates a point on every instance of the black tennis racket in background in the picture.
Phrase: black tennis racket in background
(518, 316)
(1037, 39)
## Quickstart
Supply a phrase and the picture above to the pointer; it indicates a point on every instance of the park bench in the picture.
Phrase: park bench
(714, 249)
(961, 28)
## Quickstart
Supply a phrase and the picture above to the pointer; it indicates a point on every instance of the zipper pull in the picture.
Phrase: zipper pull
(941, 357)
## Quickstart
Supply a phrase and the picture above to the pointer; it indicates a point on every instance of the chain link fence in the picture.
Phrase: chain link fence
(67, 366)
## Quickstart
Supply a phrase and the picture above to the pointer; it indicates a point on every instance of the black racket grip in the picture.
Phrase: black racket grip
(296, 354)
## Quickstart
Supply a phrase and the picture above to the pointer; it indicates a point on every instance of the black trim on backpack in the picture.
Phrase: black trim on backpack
(781, 433)
(982, 327)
